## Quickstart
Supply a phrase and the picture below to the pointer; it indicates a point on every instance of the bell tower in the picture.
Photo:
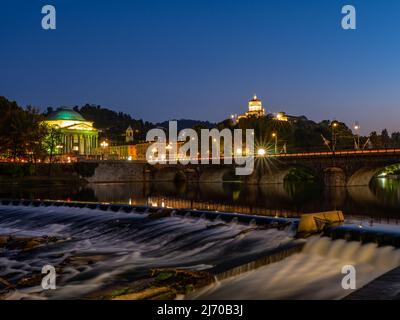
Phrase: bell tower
(255, 107)
(129, 134)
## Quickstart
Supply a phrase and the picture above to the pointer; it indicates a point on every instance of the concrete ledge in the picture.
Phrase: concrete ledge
(316, 222)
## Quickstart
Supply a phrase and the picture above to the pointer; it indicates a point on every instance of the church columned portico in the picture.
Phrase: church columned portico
(78, 136)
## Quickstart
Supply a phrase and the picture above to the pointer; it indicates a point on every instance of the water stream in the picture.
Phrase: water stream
(315, 273)
(120, 245)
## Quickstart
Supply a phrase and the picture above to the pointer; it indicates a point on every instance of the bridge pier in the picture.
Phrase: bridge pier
(274, 177)
(334, 177)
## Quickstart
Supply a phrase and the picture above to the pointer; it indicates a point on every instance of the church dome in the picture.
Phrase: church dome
(65, 114)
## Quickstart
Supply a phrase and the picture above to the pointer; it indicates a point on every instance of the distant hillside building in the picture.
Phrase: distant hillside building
(255, 109)
(281, 116)
(79, 137)
(129, 135)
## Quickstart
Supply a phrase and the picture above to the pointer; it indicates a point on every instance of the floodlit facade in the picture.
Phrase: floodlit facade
(281, 116)
(79, 137)
(255, 109)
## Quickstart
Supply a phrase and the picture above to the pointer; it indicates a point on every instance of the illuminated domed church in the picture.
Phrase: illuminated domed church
(79, 137)
(255, 109)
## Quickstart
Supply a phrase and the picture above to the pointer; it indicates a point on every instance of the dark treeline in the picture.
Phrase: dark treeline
(21, 132)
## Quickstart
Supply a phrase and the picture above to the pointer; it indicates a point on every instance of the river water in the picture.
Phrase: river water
(120, 246)
(123, 246)
(380, 202)
(315, 273)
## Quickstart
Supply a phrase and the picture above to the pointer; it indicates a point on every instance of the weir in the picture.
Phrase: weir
(312, 273)
(210, 215)
(96, 244)
(127, 241)
(382, 236)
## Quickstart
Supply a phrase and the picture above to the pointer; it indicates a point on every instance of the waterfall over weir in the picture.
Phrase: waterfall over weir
(117, 245)
(96, 246)
(315, 273)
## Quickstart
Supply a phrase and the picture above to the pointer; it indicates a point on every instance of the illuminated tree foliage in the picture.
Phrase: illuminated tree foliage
(21, 132)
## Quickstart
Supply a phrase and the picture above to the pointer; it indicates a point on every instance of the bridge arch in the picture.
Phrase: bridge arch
(169, 175)
(226, 174)
(280, 175)
(364, 176)
(276, 176)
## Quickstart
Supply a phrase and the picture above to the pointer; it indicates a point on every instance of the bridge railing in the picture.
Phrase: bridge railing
(339, 153)
(323, 153)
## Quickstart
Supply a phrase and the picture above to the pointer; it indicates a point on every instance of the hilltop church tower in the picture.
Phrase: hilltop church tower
(129, 135)
(255, 109)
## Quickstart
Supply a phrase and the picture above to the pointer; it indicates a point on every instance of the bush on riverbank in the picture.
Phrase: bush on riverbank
(17, 170)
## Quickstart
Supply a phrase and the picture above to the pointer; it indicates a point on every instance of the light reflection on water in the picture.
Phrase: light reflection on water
(379, 201)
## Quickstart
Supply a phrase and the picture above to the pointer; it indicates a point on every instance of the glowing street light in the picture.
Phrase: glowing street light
(275, 136)
(334, 126)
(261, 152)
(357, 135)
(104, 144)
(234, 118)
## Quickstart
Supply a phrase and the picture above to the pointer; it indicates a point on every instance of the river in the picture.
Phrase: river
(97, 250)
(379, 202)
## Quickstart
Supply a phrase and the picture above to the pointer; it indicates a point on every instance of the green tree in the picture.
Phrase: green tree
(386, 141)
(395, 137)
(51, 142)
(21, 131)
(35, 135)
(14, 130)
(376, 140)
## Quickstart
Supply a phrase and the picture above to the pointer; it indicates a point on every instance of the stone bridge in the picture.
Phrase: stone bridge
(345, 168)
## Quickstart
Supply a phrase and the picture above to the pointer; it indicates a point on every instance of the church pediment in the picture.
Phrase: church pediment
(79, 126)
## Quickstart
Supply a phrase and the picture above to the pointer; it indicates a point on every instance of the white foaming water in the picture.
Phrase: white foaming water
(315, 273)
(119, 246)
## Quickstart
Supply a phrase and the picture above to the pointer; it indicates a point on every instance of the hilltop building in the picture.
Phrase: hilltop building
(79, 137)
(129, 135)
(281, 116)
(255, 109)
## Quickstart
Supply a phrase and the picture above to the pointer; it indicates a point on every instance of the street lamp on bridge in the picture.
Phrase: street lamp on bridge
(334, 126)
(275, 136)
(357, 135)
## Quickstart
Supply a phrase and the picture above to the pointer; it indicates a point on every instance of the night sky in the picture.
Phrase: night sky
(204, 59)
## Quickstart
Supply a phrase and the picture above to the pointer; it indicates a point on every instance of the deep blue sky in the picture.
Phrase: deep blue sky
(203, 59)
